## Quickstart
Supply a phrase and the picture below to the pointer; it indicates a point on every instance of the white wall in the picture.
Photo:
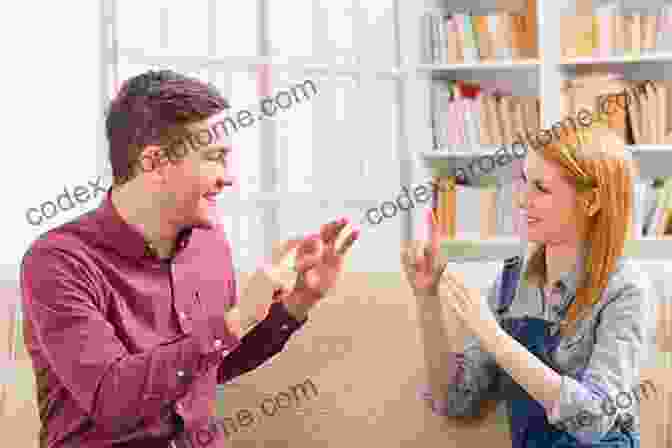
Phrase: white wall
(50, 106)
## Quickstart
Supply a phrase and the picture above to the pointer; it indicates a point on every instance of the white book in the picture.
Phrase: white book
(605, 13)
(428, 38)
(443, 40)
(476, 119)
(433, 118)
(445, 109)
(436, 48)
(666, 27)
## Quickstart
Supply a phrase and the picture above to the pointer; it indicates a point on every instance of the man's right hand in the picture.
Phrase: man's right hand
(421, 261)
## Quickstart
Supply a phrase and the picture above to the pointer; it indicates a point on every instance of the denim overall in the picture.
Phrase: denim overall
(527, 417)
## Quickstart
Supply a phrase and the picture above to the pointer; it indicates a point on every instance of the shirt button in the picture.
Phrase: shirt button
(183, 315)
(217, 343)
(179, 406)
(180, 373)
(284, 327)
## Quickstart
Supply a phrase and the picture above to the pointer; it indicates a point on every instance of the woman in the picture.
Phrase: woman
(563, 349)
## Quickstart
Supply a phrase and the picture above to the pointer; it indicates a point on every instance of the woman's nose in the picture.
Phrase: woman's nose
(521, 195)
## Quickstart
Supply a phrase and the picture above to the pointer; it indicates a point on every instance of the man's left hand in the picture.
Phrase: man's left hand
(319, 264)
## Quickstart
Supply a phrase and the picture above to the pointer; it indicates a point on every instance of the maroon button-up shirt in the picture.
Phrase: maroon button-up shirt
(126, 348)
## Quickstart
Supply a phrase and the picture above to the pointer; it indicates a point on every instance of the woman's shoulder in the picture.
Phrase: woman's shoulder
(629, 286)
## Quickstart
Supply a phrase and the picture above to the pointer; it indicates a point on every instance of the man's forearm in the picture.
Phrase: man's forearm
(266, 339)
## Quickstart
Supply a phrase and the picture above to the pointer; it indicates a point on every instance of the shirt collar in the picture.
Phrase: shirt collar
(569, 281)
(127, 239)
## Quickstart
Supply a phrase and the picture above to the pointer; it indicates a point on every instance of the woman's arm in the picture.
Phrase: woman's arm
(460, 374)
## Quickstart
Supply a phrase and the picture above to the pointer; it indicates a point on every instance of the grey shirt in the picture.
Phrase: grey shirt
(599, 362)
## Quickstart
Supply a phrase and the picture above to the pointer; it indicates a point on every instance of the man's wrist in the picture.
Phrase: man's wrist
(298, 304)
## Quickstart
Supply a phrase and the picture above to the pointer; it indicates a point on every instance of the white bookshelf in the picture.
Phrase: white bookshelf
(543, 77)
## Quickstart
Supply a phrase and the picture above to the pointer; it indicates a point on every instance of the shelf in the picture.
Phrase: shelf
(448, 161)
(654, 57)
(469, 248)
(654, 160)
(522, 64)
(649, 249)
(251, 63)
(312, 199)
(473, 249)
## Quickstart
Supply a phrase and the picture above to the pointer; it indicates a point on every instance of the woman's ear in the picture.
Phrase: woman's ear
(591, 202)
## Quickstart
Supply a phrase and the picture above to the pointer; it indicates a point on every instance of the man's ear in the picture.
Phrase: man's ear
(153, 159)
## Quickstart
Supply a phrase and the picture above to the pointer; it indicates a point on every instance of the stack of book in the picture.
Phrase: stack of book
(648, 114)
(467, 38)
(613, 31)
(464, 116)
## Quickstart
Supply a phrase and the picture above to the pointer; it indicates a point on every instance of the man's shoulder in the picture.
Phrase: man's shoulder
(72, 237)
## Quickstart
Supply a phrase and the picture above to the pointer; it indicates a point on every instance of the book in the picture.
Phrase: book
(652, 113)
(648, 24)
(428, 37)
(518, 43)
(530, 22)
(634, 113)
(634, 32)
(470, 48)
(447, 206)
(500, 28)
(605, 14)
(661, 92)
(454, 44)
(484, 129)
(484, 40)
(504, 112)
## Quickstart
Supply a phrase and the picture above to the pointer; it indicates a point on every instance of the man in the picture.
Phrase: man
(126, 307)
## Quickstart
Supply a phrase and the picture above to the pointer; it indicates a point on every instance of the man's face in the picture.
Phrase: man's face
(192, 184)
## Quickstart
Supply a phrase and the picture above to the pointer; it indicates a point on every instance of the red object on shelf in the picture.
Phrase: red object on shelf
(468, 90)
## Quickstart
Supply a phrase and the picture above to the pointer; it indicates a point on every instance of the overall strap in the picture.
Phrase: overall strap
(508, 283)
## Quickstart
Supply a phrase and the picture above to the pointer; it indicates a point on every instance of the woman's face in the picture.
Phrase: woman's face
(547, 202)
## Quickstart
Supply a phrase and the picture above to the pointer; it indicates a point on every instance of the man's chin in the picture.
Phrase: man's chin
(204, 222)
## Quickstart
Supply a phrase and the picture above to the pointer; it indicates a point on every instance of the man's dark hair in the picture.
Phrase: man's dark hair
(153, 108)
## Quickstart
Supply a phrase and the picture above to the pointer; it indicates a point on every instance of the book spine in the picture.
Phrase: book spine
(427, 40)
(470, 48)
(667, 27)
(604, 30)
(436, 39)
(492, 20)
(635, 36)
(506, 34)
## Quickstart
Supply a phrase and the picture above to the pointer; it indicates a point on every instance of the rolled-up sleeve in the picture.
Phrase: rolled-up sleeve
(586, 405)
(63, 302)
(472, 376)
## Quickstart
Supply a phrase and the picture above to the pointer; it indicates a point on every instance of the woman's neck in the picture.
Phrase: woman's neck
(560, 259)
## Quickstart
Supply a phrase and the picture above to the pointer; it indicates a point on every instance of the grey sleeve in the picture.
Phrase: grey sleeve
(586, 407)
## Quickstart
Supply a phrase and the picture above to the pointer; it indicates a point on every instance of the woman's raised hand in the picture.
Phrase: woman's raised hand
(421, 260)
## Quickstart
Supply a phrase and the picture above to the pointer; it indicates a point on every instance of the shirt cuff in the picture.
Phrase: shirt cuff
(580, 410)
(280, 317)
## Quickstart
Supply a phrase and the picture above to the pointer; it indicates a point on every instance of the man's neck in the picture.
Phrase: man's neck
(139, 211)
(561, 259)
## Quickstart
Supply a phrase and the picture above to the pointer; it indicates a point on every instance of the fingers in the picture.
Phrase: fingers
(348, 243)
(282, 249)
(309, 253)
(330, 232)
